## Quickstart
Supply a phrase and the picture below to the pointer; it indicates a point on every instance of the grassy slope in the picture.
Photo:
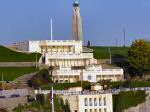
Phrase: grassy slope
(10, 73)
(125, 100)
(7, 55)
(103, 52)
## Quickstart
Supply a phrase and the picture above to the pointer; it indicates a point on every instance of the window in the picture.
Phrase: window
(104, 101)
(90, 101)
(100, 110)
(85, 110)
(91, 110)
(95, 102)
(85, 102)
(95, 110)
(100, 103)
(105, 110)
(89, 77)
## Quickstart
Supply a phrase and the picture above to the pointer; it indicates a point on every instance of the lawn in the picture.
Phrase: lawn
(103, 52)
(7, 55)
(11, 73)
(125, 100)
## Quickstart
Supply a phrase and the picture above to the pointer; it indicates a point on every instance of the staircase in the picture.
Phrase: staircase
(23, 83)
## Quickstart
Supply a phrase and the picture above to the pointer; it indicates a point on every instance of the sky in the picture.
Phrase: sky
(103, 20)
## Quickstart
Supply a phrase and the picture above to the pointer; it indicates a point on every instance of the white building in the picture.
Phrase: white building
(91, 74)
(89, 102)
(59, 52)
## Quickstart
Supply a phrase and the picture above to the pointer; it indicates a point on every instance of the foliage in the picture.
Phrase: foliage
(41, 78)
(42, 104)
(139, 56)
(130, 84)
(103, 52)
(11, 73)
(62, 86)
(125, 100)
(88, 43)
(7, 55)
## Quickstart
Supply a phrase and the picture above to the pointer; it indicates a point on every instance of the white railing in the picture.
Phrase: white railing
(67, 72)
(70, 56)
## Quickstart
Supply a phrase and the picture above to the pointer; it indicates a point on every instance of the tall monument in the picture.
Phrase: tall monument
(77, 22)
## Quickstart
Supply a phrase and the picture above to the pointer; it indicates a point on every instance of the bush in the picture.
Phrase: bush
(62, 86)
(125, 100)
(41, 78)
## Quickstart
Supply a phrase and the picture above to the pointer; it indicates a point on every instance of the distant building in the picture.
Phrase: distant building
(89, 102)
(77, 22)
(91, 74)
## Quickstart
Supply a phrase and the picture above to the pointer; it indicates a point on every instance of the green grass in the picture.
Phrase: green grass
(7, 55)
(125, 100)
(11, 73)
(103, 52)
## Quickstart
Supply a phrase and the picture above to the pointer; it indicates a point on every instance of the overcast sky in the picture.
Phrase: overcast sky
(103, 20)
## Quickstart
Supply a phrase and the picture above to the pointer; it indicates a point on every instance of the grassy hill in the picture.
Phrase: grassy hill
(11, 73)
(103, 52)
(7, 55)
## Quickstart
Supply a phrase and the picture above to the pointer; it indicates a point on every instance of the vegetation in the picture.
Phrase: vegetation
(125, 100)
(62, 86)
(7, 55)
(130, 84)
(11, 73)
(43, 105)
(103, 52)
(41, 78)
(139, 57)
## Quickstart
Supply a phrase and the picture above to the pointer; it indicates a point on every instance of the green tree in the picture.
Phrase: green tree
(139, 57)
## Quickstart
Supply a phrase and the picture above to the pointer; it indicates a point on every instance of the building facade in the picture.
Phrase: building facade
(90, 74)
(89, 102)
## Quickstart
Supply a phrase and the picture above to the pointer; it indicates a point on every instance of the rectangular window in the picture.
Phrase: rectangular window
(100, 110)
(85, 102)
(95, 102)
(90, 101)
(91, 110)
(104, 101)
(95, 110)
(105, 110)
(85, 110)
(100, 103)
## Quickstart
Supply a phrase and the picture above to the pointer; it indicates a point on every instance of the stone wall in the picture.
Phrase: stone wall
(18, 64)
(11, 103)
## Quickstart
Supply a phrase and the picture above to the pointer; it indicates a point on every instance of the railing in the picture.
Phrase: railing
(70, 56)
(109, 91)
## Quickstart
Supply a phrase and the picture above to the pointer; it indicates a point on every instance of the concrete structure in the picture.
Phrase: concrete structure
(77, 22)
(91, 74)
(59, 52)
(89, 102)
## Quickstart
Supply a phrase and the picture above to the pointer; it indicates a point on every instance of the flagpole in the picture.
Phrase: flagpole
(52, 100)
(51, 29)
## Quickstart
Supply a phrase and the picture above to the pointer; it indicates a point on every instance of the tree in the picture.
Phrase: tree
(88, 43)
(139, 57)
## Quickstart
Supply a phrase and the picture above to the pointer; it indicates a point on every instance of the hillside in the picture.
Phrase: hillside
(7, 55)
(103, 52)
